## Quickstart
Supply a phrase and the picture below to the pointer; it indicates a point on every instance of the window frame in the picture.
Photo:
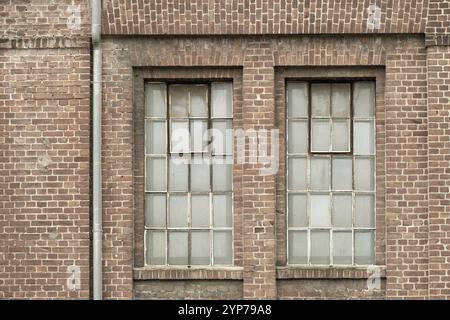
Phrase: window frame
(208, 153)
(330, 155)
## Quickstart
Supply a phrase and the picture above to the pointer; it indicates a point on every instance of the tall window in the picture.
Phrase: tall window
(188, 156)
(331, 173)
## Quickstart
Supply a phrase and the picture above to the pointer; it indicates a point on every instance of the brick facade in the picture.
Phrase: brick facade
(45, 140)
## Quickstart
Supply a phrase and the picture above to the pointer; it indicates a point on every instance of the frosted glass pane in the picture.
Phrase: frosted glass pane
(156, 248)
(298, 136)
(363, 138)
(222, 210)
(342, 248)
(200, 211)
(341, 136)
(298, 247)
(297, 174)
(364, 247)
(199, 135)
(179, 101)
(222, 137)
(179, 137)
(342, 173)
(364, 174)
(297, 205)
(155, 100)
(297, 98)
(155, 210)
(222, 99)
(342, 210)
(155, 137)
(340, 100)
(222, 174)
(223, 248)
(320, 99)
(200, 177)
(320, 173)
(320, 135)
(178, 211)
(155, 174)
(364, 99)
(320, 210)
(320, 247)
(364, 211)
(199, 101)
(178, 248)
(200, 248)
(178, 177)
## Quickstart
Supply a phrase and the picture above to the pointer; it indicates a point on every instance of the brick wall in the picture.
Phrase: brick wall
(225, 17)
(45, 131)
(44, 151)
(439, 156)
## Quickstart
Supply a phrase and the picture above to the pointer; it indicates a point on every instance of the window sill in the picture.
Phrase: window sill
(295, 272)
(150, 273)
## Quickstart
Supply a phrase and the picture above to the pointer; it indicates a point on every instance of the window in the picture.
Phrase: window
(331, 173)
(188, 165)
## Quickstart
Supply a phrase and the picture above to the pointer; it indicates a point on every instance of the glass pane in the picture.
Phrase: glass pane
(178, 178)
(340, 100)
(200, 248)
(364, 174)
(297, 206)
(297, 174)
(320, 135)
(341, 136)
(155, 137)
(342, 248)
(297, 99)
(342, 210)
(178, 248)
(156, 248)
(200, 211)
(223, 248)
(320, 247)
(364, 99)
(320, 173)
(178, 211)
(179, 101)
(155, 210)
(222, 209)
(179, 137)
(222, 174)
(155, 100)
(364, 211)
(342, 173)
(363, 138)
(222, 99)
(200, 176)
(320, 210)
(199, 101)
(298, 247)
(199, 135)
(320, 99)
(222, 137)
(298, 137)
(155, 176)
(364, 247)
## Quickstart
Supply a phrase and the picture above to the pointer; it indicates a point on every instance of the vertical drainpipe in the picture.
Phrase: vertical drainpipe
(96, 8)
